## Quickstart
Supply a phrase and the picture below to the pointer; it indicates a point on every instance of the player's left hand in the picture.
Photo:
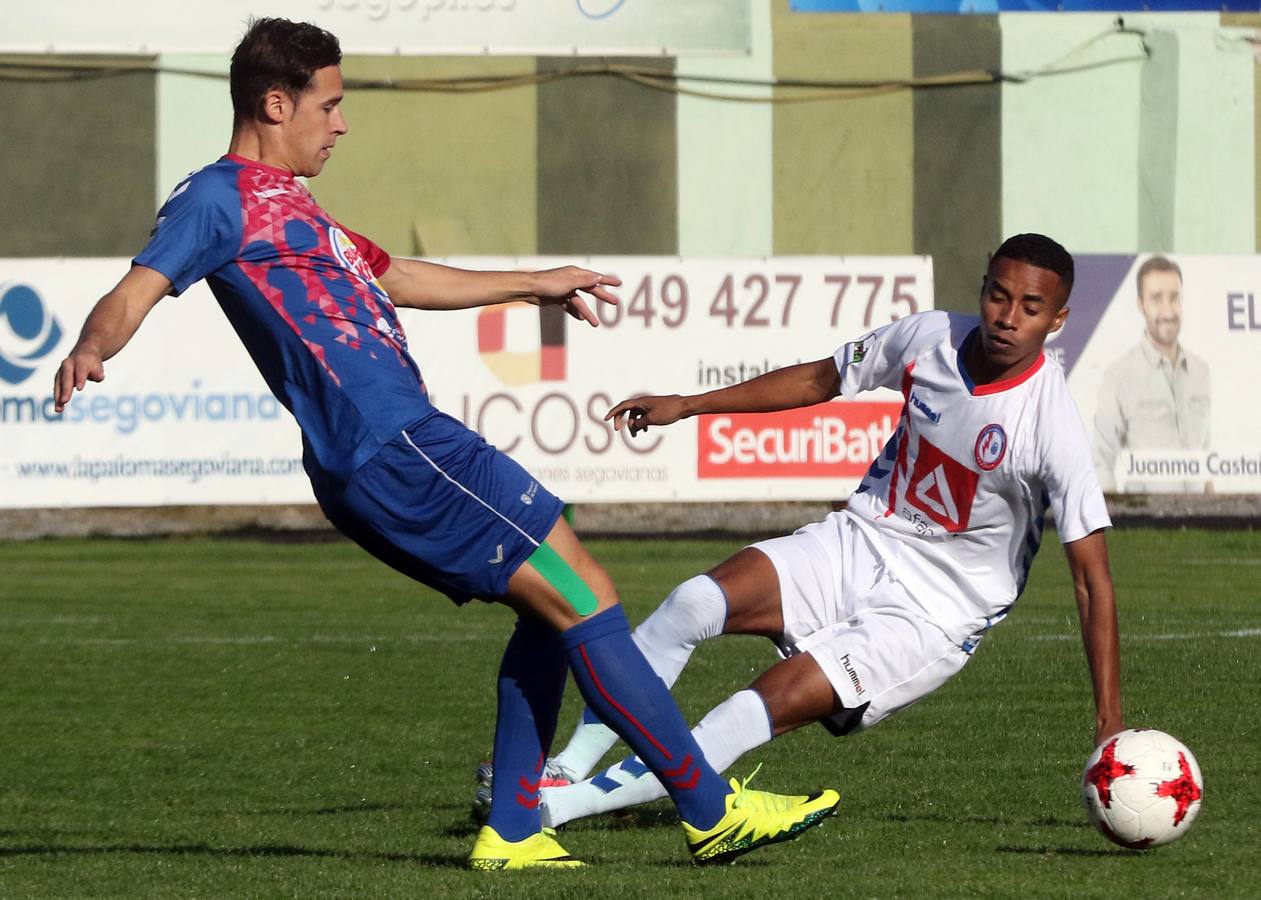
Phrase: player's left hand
(561, 287)
(638, 413)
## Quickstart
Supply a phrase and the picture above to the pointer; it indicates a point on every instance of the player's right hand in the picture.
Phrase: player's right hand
(638, 413)
(82, 365)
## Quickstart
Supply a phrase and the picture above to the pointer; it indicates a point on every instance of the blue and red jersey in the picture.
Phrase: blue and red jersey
(302, 293)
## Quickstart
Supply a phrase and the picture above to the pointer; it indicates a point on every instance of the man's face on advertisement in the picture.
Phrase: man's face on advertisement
(1160, 302)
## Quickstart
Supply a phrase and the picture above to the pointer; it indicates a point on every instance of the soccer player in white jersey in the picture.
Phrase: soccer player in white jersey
(880, 604)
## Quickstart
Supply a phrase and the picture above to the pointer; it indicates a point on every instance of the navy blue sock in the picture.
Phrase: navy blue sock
(531, 682)
(629, 697)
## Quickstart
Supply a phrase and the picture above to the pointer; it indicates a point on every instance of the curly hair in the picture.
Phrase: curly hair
(1039, 250)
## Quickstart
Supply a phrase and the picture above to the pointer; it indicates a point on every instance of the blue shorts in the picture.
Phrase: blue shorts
(446, 508)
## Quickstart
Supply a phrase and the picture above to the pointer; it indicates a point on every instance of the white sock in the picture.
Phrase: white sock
(731, 729)
(694, 611)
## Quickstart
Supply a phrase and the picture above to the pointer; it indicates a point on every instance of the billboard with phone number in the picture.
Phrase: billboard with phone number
(184, 418)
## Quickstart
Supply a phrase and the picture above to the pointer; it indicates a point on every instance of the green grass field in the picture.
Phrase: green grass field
(227, 718)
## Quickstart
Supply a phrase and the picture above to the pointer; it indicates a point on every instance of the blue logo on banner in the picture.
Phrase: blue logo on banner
(28, 332)
(599, 9)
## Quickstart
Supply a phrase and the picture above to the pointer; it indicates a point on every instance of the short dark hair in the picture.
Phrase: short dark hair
(1156, 264)
(1039, 250)
(277, 53)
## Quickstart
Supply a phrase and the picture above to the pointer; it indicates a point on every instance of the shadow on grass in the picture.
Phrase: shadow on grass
(262, 851)
(465, 829)
(621, 820)
(1043, 822)
(265, 851)
(337, 810)
(1064, 851)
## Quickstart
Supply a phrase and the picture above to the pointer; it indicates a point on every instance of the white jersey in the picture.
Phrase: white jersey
(959, 494)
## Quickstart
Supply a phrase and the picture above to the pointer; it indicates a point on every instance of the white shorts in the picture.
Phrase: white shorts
(844, 607)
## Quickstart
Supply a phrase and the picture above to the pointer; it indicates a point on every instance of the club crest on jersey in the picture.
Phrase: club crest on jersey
(348, 254)
(991, 447)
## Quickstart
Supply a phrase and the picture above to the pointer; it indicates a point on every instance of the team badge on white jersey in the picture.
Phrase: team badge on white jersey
(991, 447)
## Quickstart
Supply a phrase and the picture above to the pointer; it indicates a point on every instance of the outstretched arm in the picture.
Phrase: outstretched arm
(804, 384)
(425, 285)
(107, 330)
(1096, 606)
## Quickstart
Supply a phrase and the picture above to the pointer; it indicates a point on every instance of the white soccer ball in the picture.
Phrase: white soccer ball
(1142, 788)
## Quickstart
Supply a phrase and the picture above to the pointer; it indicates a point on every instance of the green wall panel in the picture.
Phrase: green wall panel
(194, 116)
(843, 168)
(1214, 206)
(725, 185)
(958, 155)
(434, 173)
(77, 165)
(1070, 141)
(1158, 145)
(1252, 20)
(607, 164)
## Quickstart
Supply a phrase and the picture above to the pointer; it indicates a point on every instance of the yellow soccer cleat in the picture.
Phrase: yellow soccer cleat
(538, 851)
(755, 819)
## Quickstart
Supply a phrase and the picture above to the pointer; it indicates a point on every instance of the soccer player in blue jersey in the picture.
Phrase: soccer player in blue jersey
(314, 304)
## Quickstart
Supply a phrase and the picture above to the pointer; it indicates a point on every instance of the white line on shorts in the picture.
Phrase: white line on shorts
(437, 468)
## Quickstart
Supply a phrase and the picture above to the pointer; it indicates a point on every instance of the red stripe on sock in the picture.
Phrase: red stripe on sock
(683, 767)
(691, 782)
(582, 648)
(528, 802)
(530, 787)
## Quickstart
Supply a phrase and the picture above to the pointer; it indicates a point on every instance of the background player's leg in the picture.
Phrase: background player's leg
(751, 585)
(628, 783)
(790, 694)
(796, 693)
(739, 596)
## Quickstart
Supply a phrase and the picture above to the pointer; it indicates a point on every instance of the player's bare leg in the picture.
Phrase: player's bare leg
(751, 585)
(796, 693)
(530, 592)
